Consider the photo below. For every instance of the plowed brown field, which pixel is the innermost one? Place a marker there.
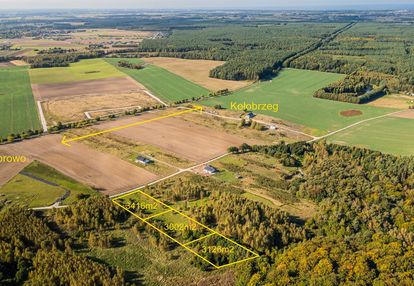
(183, 138)
(104, 172)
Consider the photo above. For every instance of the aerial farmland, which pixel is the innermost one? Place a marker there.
(192, 147)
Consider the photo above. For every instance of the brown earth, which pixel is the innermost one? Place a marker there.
(393, 101)
(405, 114)
(349, 113)
(197, 71)
(191, 141)
(9, 170)
(104, 172)
(108, 85)
(72, 108)
(42, 43)
(19, 63)
(6, 64)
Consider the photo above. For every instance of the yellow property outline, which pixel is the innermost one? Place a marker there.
(66, 141)
(185, 245)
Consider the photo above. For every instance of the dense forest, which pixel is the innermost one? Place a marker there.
(362, 233)
(383, 48)
(251, 52)
(31, 248)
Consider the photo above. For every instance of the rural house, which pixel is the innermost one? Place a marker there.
(249, 115)
(210, 170)
(142, 160)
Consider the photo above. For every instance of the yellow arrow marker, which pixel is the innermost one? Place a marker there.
(66, 141)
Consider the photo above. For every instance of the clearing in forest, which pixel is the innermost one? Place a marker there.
(197, 71)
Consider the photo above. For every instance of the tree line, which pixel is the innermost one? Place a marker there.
(251, 52)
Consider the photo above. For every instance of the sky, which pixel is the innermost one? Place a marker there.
(187, 4)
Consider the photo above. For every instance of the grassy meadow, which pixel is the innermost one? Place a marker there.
(293, 90)
(162, 83)
(18, 111)
(388, 134)
(39, 185)
(83, 70)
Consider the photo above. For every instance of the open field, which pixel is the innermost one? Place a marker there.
(38, 185)
(186, 139)
(405, 114)
(77, 40)
(107, 37)
(8, 171)
(388, 134)
(162, 83)
(103, 172)
(17, 108)
(84, 87)
(27, 192)
(42, 44)
(73, 107)
(84, 70)
(393, 101)
(197, 71)
(229, 122)
(293, 90)
(164, 163)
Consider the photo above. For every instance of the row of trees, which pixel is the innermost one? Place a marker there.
(20, 136)
(129, 65)
(359, 87)
(60, 59)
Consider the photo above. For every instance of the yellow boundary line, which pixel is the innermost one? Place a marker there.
(173, 239)
(66, 141)
(201, 238)
(191, 219)
(155, 215)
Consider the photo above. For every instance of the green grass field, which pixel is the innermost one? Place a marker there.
(18, 111)
(388, 134)
(83, 70)
(28, 189)
(162, 83)
(28, 192)
(293, 90)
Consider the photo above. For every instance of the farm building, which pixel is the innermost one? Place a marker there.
(249, 115)
(144, 161)
(210, 170)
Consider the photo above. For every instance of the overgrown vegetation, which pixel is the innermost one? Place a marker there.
(358, 88)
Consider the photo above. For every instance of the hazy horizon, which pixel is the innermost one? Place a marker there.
(211, 4)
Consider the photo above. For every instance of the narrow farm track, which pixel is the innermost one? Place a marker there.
(354, 124)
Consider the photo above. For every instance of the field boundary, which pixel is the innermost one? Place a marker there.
(353, 125)
(66, 141)
(42, 116)
(185, 245)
